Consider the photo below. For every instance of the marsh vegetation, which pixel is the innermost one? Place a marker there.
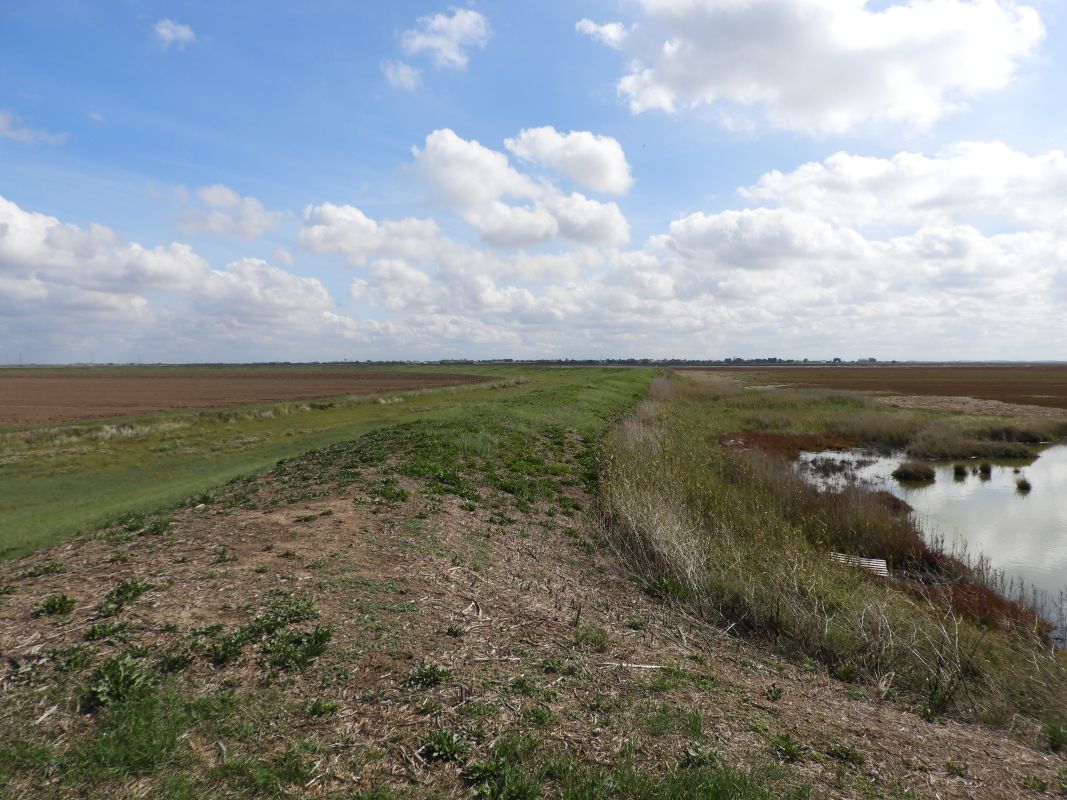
(721, 522)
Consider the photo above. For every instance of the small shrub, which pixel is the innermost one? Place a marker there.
(774, 692)
(43, 568)
(559, 666)
(1035, 784)
(525, 685)
(119, 679)
(107, 630)
(117, 599)
(699, 757)
(427, 675)
(956, 770)
(54, 605)
(175, 659)
(289, 650)
(539, 715)
(914, 471)
(1022, 485)
(444, 745)
(321, 708)
(786, 748)
(223, 556)
(636, 623)
(1056, 733)
(591, 638)
(846, 753)
(226, 650)
(71, 658)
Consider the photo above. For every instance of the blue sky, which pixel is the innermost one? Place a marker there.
(243, 181)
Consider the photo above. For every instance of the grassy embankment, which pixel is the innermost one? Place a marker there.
(136, 700)
(735, 534)
(58, 480)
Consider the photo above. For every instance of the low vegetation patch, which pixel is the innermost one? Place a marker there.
(741, 539)
(915, 472)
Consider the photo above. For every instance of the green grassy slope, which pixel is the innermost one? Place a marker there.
(69, 479)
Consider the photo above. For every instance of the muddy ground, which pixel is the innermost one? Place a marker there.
(1029, 385)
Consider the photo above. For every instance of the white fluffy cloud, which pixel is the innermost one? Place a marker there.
(474, 181)
(613, 34)
(957, 254)
(812, 271)
(447, 37)
(401, 75)
(982, 183)
(65, 289)
(226, 212)
(597, 162)
(347, 231)
(821, 65)
(171, 33)
(12, 128)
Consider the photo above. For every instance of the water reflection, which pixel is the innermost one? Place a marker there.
(1023, 534)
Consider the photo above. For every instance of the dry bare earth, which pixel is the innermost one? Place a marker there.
(494, 600)
(45, 396)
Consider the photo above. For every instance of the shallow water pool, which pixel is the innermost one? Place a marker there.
(1024, 535)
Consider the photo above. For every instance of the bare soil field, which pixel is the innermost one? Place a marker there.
(1041, 385)
(45, 396)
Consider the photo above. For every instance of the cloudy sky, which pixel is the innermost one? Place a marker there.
(203, 181)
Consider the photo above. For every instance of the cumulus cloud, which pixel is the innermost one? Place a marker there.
(597, 162)
(613, 34)
(588, 221)
(401, 75)
(226, 212)
(12, 128)
(170, 33)
(466, 175)
(67, 287)
(347, 231)
(447, 37)
(983, 183)
(821, 65)
(809, 269)
(761, 238)
(475, 181)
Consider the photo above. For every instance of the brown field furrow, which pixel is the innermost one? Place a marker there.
(46, 396)
(1022, 384)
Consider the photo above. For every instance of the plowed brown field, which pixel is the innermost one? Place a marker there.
(1037, 385)
(42, 396)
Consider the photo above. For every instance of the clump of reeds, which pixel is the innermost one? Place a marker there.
(1022, 485)
(959, 471)
(985, 470)
(914, 472)
(875, 427)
